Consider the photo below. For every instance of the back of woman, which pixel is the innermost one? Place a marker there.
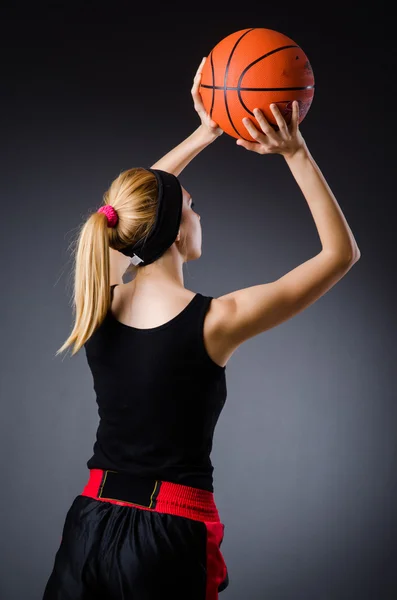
(146, 523)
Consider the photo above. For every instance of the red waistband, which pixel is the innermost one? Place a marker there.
(151, 494)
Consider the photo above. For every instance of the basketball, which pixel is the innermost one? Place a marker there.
(253, 68)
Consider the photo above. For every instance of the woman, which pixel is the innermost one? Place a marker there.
(146, 524)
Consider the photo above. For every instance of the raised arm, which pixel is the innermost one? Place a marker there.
(250, 311)
(179, 157)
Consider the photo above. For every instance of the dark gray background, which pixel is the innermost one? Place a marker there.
(305, 449)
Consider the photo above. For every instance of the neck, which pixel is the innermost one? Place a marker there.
(164, 273)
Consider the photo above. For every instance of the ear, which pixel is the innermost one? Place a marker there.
(178, 237)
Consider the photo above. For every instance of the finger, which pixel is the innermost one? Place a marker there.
(201, 65)
(282, 125)
(265, 125)
(197, 76)
(252, 130)
(295, 117)
(248, 145)
(195, 88)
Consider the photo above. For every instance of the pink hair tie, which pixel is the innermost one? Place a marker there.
(110, 213)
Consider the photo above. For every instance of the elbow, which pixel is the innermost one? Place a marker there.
(347, 260)
(355, 256)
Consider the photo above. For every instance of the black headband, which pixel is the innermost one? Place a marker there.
(166, 226)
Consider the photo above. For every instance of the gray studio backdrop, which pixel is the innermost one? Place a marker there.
(304, 451)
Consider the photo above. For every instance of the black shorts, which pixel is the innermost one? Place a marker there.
(128, 538)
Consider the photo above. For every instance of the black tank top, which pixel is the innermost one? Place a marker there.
(159, 397)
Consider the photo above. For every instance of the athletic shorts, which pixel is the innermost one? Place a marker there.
(129, 538)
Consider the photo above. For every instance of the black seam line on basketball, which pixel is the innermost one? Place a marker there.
(213, 80)
(253, 63)
(262, 57)
(248, 89)
(226, 74)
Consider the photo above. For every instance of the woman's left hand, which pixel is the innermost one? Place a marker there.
(207, 123)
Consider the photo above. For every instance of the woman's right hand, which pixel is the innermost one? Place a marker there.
(286, 141)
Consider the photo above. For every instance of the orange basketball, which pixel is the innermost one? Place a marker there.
(253, 68)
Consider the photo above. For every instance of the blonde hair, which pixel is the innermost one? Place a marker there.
(133, 194)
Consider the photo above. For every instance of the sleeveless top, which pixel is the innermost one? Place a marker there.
(159, 397)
